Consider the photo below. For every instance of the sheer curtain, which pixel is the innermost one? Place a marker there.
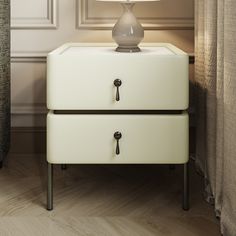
(4, 78)
(215, 75)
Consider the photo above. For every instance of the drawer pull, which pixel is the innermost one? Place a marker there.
(117, 136)
(117, 83)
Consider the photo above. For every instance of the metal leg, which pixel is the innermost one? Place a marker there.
(50, 188)
(186, 188)
(1, 164)
(63, 166)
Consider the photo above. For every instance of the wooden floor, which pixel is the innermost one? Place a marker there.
(100, 200)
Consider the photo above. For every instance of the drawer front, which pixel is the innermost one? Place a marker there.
(148, 83)
(90, 139)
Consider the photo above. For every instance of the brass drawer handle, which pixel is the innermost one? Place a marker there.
(117, 83)
(117, 136)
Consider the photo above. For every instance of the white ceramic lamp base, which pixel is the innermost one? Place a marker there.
(128, 32)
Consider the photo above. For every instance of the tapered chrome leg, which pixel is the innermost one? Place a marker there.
(50, 188)
(186, 188)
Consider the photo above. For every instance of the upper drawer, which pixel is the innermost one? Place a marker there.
(82, 78)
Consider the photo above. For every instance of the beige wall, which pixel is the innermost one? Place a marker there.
(39, 26)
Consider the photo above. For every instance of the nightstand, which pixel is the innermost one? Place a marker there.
(108, 107)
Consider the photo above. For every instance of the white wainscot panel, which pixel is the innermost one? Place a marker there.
(166, 14)
(28, 87)
(33, 14)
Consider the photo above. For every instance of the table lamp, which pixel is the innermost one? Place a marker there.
(127, 32)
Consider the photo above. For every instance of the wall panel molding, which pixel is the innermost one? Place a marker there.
(33, 57)
(85, 20)
(26, 109)
(42, 58)
(50, 20)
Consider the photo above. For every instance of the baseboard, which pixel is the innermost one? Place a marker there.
(28, 140)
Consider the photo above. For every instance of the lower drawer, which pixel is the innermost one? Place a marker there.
(146, 139)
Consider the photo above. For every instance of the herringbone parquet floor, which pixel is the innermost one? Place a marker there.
(100, 200)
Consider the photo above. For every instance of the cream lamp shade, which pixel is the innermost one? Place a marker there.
(128, 32)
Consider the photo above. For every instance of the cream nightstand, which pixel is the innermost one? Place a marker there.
(117, 108)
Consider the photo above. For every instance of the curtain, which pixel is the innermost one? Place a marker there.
(215, 76)
(4, 78)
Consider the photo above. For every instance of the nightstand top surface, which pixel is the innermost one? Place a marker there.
(108, 50)
(156, 49)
